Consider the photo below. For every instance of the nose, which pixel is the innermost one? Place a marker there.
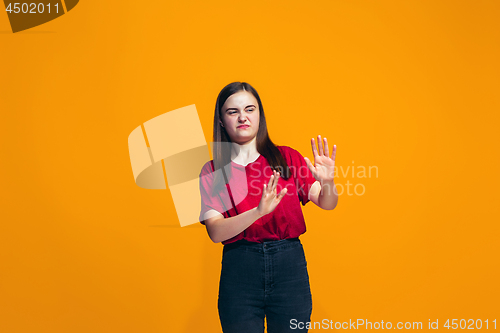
(242, 118)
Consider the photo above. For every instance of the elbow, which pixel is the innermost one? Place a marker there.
(214, 239)
(212, 233)
(330, 206)
(216, 231)
(335, 204)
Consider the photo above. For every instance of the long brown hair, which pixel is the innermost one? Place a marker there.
(265, 147)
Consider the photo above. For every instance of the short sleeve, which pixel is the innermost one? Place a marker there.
(209, 201)
(303, 176)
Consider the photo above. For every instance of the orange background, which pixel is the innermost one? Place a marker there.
(410, 87)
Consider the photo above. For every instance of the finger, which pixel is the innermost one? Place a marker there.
(276, 181)
(309, 164)
(320, 145)
(282, 194)
(313, 144)
(270, 184)
(327, 150)
(334, 152)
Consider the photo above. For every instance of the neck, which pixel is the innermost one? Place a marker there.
(244, 152)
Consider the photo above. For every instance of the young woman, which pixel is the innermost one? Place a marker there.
(251, 194)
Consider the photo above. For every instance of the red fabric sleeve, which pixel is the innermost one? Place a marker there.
(209, 201)
(303, 176)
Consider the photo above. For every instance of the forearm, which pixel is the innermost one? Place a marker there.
(222, 229)
(328, 196)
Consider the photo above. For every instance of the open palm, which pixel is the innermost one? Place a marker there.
(270, 198)
(324, 165)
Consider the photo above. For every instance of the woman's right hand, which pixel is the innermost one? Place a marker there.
(270, 199)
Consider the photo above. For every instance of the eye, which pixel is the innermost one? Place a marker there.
(250, 110)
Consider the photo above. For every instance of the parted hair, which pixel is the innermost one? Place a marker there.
(222, 152)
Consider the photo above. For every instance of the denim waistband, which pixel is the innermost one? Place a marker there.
(267, 246)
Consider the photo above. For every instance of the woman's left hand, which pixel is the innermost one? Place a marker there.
(323, 168)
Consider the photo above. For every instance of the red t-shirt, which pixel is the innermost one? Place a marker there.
(246, 184)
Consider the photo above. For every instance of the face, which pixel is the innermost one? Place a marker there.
(240, 117)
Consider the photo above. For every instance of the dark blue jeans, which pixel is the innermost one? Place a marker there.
(260, 280)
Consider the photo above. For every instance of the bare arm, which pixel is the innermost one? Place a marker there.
(323, 191)
(326, 196)
(220, 229)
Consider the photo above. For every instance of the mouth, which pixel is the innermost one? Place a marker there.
(243, 126)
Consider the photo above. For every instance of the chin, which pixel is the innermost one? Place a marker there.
(243, 139)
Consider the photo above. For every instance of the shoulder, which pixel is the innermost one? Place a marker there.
(285, 149)
(207, 168)
(289, 153)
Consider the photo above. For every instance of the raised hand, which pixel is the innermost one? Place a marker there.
(323, 168)
(270, 199)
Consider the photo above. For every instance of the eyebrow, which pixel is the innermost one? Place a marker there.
(228, 109)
